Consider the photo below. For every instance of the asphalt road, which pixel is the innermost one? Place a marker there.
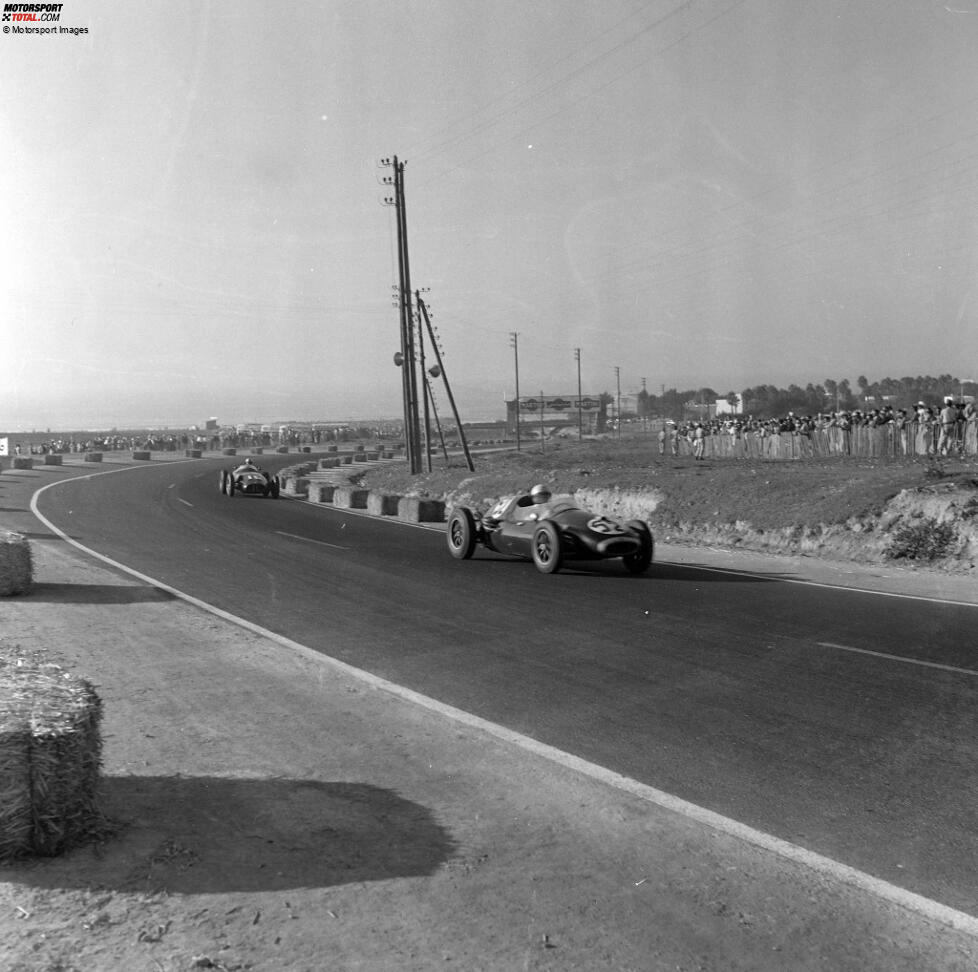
(840, 721)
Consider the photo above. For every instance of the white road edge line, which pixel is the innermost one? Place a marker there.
(738, 572)
(843, 873)
(322, 543)
(780, 579)
(898, 658)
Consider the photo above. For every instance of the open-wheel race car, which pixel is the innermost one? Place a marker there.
(549, 531)
(249, 480)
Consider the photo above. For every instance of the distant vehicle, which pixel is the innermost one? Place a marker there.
(550, 534)
(249, 480)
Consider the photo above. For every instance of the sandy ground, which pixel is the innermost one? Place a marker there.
(275, 812)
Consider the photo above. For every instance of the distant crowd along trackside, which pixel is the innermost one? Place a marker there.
(215, 440)
(950, 429)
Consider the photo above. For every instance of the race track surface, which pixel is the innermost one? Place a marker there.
(840, 721)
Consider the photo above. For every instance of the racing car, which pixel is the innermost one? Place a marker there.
(249, 480)
(550, 532)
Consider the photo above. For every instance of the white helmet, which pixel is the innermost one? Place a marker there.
(540, 493)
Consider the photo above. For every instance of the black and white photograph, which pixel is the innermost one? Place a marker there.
(489, 486)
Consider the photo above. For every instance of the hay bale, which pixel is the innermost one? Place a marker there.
(142, 454)
(23, 462)
(321, 492)
(16, 566)
(93, 457)
(50, 757)
(52, 459)
(382, 504)
(414, 509)
(350, 498)
(193, 453)
(294, 485)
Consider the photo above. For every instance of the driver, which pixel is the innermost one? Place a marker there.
(519, 509)
(248, 466)
(531, 507)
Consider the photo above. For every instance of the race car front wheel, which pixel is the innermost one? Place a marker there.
(638, 562)
(547, 550)
(461, 534)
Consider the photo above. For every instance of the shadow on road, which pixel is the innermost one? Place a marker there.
(210, 835)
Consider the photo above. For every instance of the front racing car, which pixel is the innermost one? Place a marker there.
(249, 482)
(551, 534)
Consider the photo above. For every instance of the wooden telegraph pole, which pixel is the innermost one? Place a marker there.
(406, 357)
(448, 388)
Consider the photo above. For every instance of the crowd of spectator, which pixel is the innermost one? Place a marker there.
(211, 439)
(922, 430)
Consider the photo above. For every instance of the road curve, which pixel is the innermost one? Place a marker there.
(836, 720)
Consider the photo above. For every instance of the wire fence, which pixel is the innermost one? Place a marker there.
(886, 441)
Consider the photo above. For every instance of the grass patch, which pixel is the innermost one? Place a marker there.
(924, 539)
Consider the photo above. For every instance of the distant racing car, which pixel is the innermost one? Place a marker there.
(249, 480)
(549, 533)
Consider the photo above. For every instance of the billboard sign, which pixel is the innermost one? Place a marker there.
(558, 408)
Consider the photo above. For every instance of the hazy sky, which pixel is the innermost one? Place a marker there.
(705, 193)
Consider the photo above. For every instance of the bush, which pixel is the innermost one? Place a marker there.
(924, 539)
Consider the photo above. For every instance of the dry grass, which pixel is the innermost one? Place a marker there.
(767, 494)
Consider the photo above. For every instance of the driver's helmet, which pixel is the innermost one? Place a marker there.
(540, 494)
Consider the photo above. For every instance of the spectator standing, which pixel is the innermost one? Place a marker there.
(903, 433)
(949, 422)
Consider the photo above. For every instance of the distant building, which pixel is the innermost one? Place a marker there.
(554, 411)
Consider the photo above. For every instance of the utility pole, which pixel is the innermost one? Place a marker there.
(580, 407)
(514, 341)
(424, 378)
(405, 358)
(543, 438)
(448, 388)
(618, 380)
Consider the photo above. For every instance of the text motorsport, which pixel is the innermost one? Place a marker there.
(22, 16)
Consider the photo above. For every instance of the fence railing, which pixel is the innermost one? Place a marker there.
(914, 439)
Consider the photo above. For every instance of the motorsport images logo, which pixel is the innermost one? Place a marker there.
(32, 11)
(22, 18)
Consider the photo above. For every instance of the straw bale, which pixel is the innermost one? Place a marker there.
(16, 565)
(382, 504)
(414, 509)
(50, 757)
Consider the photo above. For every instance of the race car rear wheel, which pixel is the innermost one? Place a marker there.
(548, 552)
(275, 488)
(461, 534)
(224, 481)
(638, 562)
(230, 486)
